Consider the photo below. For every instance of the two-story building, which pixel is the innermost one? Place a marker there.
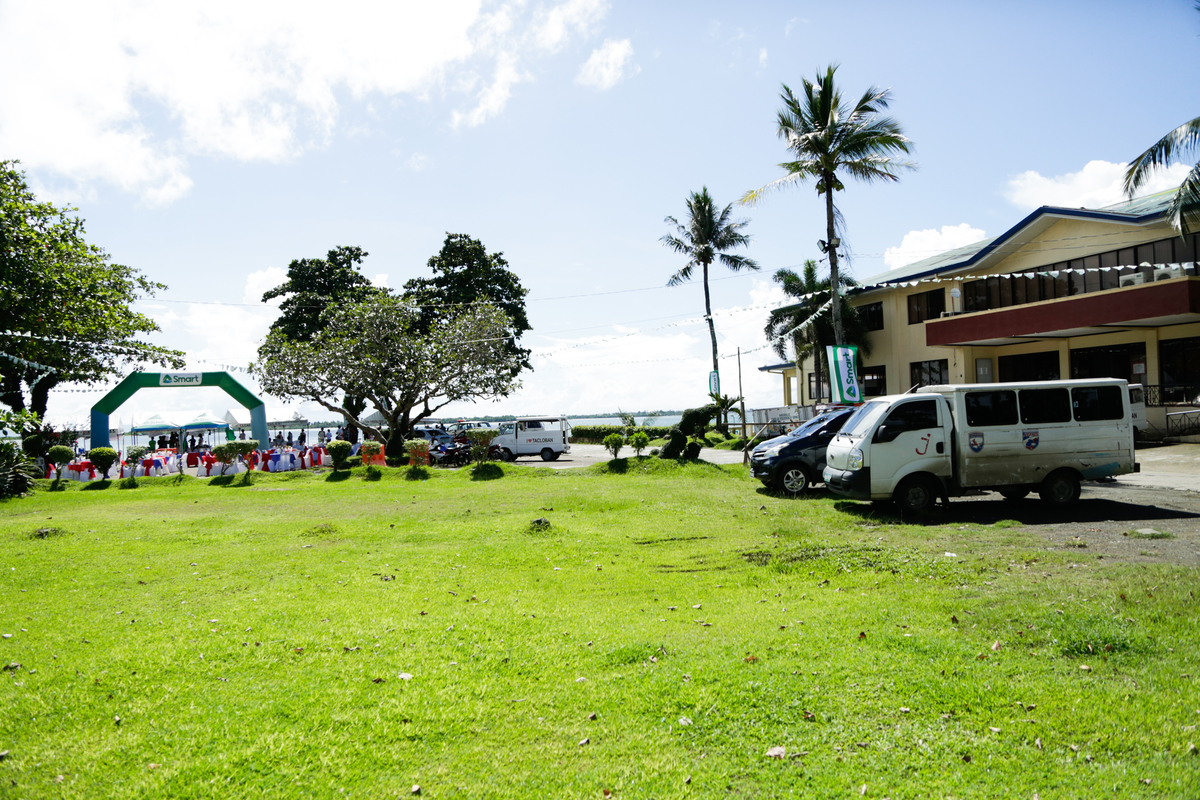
(1064, 293)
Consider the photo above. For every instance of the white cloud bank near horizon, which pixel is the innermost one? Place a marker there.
(1096, 185)
(126, 94)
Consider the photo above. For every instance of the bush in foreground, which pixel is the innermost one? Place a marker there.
(613, 443)
(102, 459)
(339, 451)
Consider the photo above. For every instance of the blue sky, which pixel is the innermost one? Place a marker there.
(210, 146)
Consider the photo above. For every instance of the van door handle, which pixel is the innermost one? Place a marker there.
(940, 448)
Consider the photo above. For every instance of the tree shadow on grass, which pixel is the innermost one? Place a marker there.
(1030, 511)
(417, 473)
(231, 481)
(487, 471)
(97, 486)
(618, 465)
(338, 475)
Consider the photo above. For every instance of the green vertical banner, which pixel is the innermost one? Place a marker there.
(843, 369)
(714, 382)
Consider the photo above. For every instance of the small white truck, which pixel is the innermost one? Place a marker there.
(527, 436)
(1012, 438)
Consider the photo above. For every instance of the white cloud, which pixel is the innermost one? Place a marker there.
(917, 245)
(380, 280)
(126, 93)
(493, 97)
(417, 162)
(608, 64)
(1097, 185)
(762, 57)
(553, 26)
(792, 23)
(257, 283)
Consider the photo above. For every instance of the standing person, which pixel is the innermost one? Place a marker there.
(289, 439)
(303, 438)
(242, 436)
(321, 437)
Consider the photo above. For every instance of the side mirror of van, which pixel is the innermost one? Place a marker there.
(888, 433)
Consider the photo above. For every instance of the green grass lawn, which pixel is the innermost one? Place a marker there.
(310, 637)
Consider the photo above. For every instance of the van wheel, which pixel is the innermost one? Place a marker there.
(547, 454)
(1015, 493)
(506, 454)
(916, 495)
(793, 479)
(1060, 489)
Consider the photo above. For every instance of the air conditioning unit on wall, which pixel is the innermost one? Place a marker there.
(1133, 279)
(1166, 273)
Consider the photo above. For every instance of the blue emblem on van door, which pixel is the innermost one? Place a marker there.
(975, 441)
(1030, 438)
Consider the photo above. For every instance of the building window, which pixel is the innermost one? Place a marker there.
(874, 381)
(1029, 367)
(1043, 406)
(929, 373)
(991, 408)
(989, 293)
(872, 316)
(1127, 361)
(812, 388)
(926, 305)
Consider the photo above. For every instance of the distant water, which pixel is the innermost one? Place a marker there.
(665, 421)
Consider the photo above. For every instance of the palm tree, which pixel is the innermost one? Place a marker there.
(812, 293)
(705, 239)
(724, 404)
(1184, 210)
(829, 139)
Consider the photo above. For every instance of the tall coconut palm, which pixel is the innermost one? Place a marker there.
(829, 139)
(709, 233)
(812, 292)
(1184, 210)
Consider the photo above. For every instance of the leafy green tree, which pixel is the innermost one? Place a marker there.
(53, 284)
(613, 443)
(465, 273)
(639, 441)
(706, 238)
(378, 350)
(724, 404)
(812, 292)
(830, 139)
(312, 285)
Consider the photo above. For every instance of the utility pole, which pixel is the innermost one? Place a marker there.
(742, 398)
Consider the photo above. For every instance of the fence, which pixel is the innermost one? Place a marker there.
(1183, 394)
(1183, 423)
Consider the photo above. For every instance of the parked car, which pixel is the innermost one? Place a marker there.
(435, 435)
(793, 462)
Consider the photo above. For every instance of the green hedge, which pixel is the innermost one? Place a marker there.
(594, 434)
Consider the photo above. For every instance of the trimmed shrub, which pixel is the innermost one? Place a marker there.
(60, 455)
(353, 461)
(339, 451)
(135, 453)
(226, 453)
(613, 443)
(695, 420)
(674, 447)
(594, 434)
(639, 441)
(655, 451)
(244, 447)
(401, 461)
(692, 451)
(417, 450)
(102, 458)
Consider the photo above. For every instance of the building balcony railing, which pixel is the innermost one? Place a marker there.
(1183, 423)
(1182, 394)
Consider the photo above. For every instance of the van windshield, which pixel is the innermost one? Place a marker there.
(863, 420)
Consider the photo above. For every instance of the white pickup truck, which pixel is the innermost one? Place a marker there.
(527, 436)
(1012, 438)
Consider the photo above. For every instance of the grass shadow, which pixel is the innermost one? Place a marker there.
(337, 476)
(234, 481)
(487, 471)
(417, 472)
(620, 466)
(128, 483)
(97, 486)
(372, 473)
(1028, 512)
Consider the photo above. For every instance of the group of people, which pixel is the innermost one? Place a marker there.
(192, 444)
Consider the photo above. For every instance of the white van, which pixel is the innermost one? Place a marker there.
(1012, 438)
(527, 436)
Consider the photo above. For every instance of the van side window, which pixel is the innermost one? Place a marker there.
(1043, 406)
(914, 416)
(1097, 402)
(991, 408)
